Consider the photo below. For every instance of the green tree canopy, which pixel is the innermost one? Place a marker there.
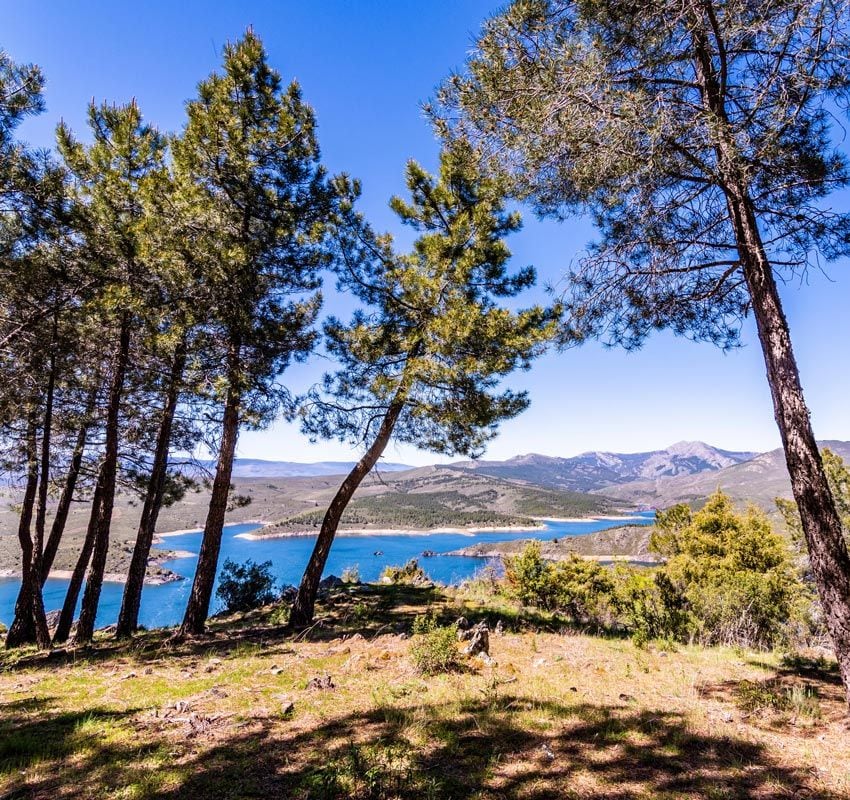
(434, 332)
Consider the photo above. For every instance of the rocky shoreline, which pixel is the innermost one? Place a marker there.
(626, 543)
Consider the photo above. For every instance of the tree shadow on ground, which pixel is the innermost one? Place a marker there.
(32, 733)
(492, 748)
(501, 746)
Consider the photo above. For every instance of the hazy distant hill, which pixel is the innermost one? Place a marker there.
(259, 468)
(760, 480)
(597, 470)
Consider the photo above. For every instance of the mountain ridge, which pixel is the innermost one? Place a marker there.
(595, 470)
(759, 480)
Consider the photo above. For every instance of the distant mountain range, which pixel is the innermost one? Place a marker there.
(759, 480)
(682, 472)
(594, 471)
(258, 468)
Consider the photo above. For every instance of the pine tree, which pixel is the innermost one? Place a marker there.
(697, 136)
(258, 199)
(421, 363)
(34, 292)
(112, 176)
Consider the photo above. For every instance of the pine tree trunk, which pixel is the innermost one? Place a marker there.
(107, 479)
(301, 613)
(830, 561)
(197, 609)
(42, 632)
(69, 607)
(63, 507)
(827, 548)
(23, 629)
(128, 618)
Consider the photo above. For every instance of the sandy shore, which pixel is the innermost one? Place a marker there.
(396, 532)
(596, 518)
(108, 577)
(182, 531)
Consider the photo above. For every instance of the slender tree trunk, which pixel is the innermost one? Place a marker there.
(42, 632)
(128, 618)
(825, 541)
(198, 607)
(107, 477)
(23, 629)
(303, 606)
(69, 607)
(63, 507)
(821, 523)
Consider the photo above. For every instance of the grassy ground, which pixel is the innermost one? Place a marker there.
(558, 714)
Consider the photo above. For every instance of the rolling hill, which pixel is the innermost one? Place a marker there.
(260, 468)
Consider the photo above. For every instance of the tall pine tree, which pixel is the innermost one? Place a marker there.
(422, 361)
(258, 200)
(697, 135)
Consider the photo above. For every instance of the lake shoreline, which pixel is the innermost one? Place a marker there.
(464, 531)
(360, 532)
(108, 577)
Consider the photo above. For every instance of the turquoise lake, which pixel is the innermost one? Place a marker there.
(164, 605)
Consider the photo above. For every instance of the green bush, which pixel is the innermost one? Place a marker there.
(411, 573)
(728, 579)
(737, 576)
(434, 647)
(243, 587)
(530, 578)
(650, 606)
(582, 588)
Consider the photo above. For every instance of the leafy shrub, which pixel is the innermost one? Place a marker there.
(246, 586)
(729, 579)
(434, 647)
(799, 699)
(650, 606)
(753, 696)
(411, 573)
(585, 590)
(736, 575)
(530, 578)
(582, 588)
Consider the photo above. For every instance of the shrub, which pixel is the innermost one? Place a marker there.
(530, 578)
(737, 577)
(434, 647)
(410, 573)
(584, 589)
(650, 606)
(246, 586)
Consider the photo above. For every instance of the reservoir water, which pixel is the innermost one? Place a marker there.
(370, 553)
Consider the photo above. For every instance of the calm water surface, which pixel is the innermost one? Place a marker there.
(164, 605)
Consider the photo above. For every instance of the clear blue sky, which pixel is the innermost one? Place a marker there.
(365, 66)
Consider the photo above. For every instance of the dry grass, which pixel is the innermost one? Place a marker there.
(558, 714)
